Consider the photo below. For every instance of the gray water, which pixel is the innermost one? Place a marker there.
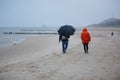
(17, 36)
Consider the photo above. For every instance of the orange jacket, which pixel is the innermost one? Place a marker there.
(85, 36)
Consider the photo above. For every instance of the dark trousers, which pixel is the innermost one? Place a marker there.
(64, 46)
(85, 45)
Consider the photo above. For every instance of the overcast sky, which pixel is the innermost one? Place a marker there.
(35, 13)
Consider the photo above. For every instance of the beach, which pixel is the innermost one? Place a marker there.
(41, 58)
(32, 47)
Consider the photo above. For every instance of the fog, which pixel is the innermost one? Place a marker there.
(54, 13)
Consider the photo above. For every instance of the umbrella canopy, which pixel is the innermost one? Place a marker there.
(66, 30)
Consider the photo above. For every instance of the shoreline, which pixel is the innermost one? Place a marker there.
(33, 47)
(17, 38)
(10, 41)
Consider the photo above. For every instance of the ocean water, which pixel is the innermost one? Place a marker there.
(11, 35)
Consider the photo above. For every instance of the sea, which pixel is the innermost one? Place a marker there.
(15, 35)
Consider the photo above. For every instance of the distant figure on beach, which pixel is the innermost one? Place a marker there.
(64, 40)
(112, 33)
(86, 38)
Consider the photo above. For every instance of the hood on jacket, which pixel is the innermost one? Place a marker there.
(84, 29)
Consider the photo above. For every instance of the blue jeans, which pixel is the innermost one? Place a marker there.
(64, 46)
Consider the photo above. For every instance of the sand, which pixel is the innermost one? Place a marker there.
(41, 58)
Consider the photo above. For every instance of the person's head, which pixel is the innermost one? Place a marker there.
(85, 29)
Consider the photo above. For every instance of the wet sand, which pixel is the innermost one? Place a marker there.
(40, 58)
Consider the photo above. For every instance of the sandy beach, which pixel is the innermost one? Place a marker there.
(41, 58)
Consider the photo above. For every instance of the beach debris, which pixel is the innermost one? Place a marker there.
(14, 42)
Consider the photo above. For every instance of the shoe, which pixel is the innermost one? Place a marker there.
(64, 51)
(87, 52)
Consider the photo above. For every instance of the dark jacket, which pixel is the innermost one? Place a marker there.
(63, 38)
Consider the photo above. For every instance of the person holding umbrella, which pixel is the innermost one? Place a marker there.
(64, 40)
(64, 35)
(86, 38)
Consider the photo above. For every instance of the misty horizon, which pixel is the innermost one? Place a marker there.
(52, 13)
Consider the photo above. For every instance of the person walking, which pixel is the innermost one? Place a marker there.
(65, 32)
(112, 33)
(64, 40)
(86, 38)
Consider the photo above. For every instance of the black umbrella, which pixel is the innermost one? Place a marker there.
(66, 30)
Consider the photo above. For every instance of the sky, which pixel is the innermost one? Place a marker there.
(54, 13)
